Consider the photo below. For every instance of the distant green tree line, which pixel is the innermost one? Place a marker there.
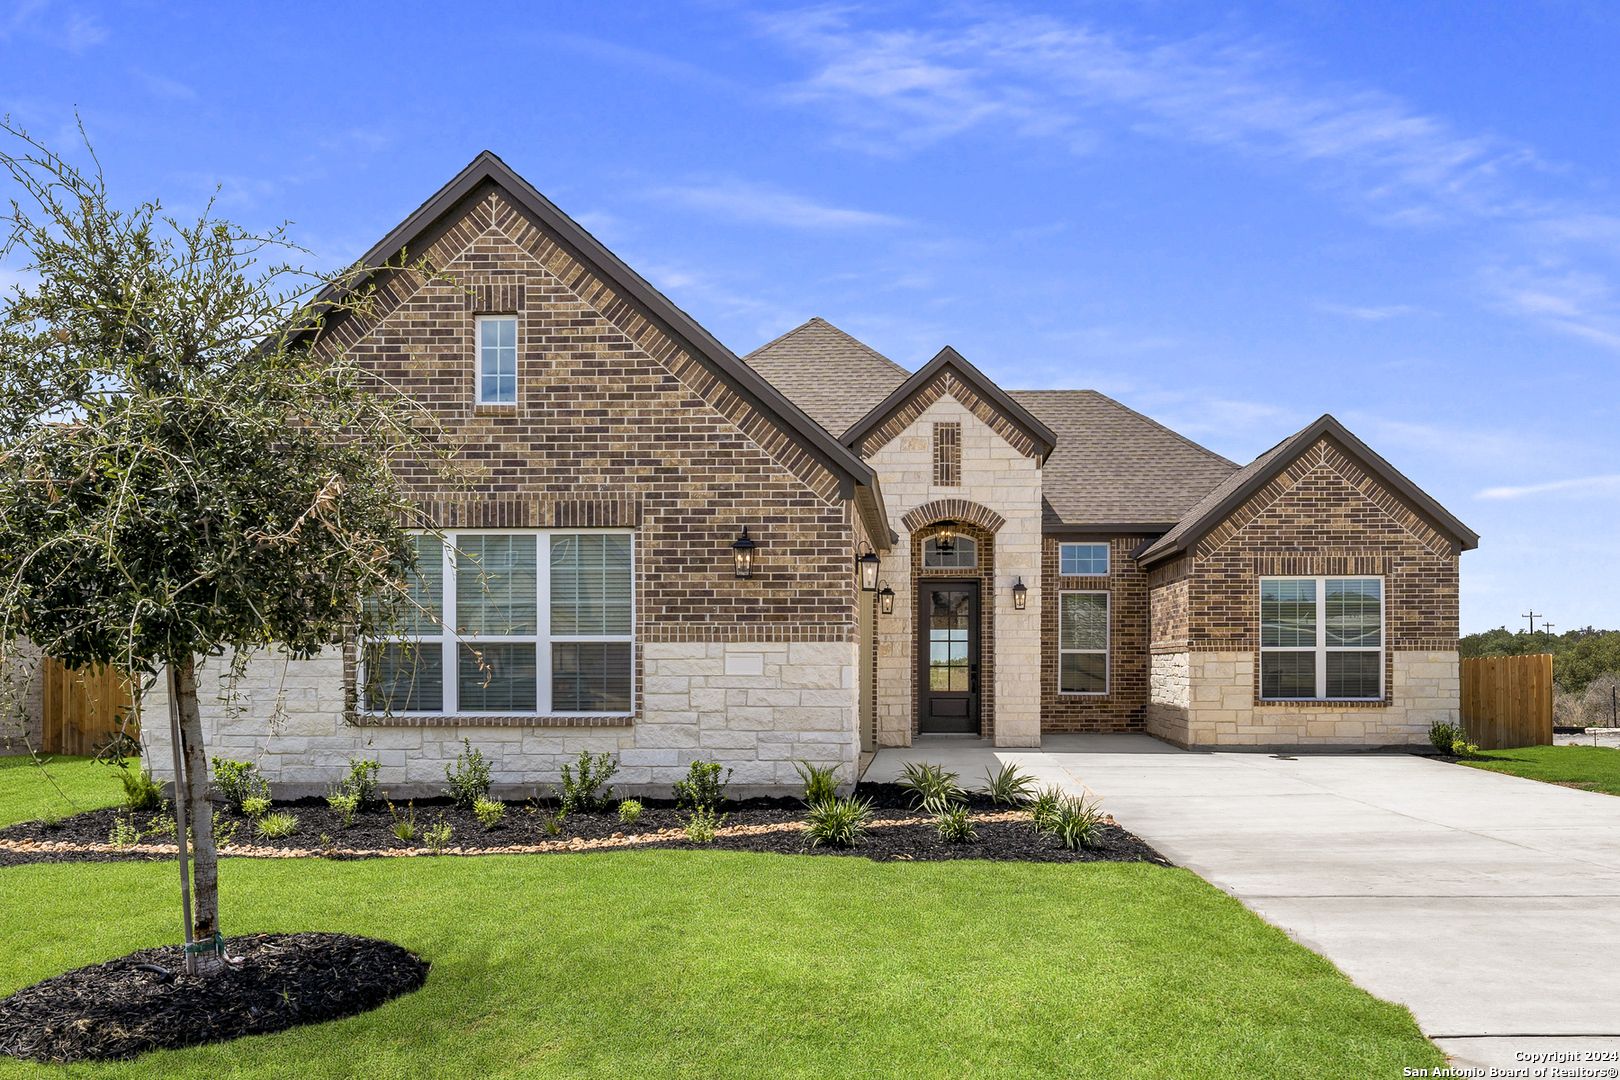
(1579, 656)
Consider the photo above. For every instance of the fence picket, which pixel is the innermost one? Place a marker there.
(1507, 701)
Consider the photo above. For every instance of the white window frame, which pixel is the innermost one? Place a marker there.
(1107, 559)
(451, 642)
(478, 358)
(1322, 648)
(1106, 650)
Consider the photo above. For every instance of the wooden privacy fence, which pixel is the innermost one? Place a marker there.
(1507, 701)
(84, 707)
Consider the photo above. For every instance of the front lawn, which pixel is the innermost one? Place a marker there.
(1593, 768)
(719, 964)
(26, 790)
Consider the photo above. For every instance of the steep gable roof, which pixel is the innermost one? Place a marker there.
(1115, 470)
(1242, 485)
(949, 373)
(487, 173)
(829, 374)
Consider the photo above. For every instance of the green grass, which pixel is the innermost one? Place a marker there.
(723, 964)
(26, 790)
(1595, 768)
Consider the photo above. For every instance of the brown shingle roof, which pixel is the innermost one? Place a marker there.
(828, 374)
(1114, 466)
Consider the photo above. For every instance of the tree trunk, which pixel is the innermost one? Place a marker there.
(200, 811)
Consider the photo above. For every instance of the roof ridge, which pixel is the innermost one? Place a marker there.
(778, 340)
(812, 321)
(1200, 447)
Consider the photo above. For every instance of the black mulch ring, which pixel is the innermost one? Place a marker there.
(526, 824)
(114, 1010)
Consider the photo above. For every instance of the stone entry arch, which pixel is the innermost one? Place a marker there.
(962, 510)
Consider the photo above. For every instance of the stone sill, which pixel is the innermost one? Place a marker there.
(1323, 706)
(470, 720)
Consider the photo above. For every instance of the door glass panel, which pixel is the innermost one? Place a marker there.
(948, 640)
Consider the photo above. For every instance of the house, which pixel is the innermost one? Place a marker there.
(809, 552)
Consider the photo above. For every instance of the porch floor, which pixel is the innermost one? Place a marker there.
(970, 757)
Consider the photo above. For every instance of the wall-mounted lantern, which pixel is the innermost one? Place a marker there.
(1020, 595)
(886, 599)
(945, 535)
(869, 568)
(743, 551)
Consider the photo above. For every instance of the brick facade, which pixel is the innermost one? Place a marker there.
(1124, 706)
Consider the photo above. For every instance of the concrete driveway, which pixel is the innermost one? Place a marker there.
(1487, 904)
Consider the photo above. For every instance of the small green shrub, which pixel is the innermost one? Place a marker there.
(404, 824)
(703, 788)
(224, 831)
(1461, 747)
(701, 826)
(954, 825)
(469, 779)
(346, 804)
(820, 782)
(276, 826)
(124, 833)
(1078, 823)
(553, 823)
(930, 785)
(1443, 735)
(1043, 808)
(437, 836)
(489, 812)
(50, 817)
(362, 782)
(585, 793)
(630, 811)
(236, 782)
(162, 822)
(141, 792)
(255, 806)
(838, 822)
(1009, 786)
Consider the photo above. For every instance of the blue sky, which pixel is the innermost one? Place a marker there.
(1232, 217)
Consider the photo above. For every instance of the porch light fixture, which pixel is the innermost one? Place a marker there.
(945, 538)
(886, 599)
(869, 568)
(1020, 595)
(743, 551)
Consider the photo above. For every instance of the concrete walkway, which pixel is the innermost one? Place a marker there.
(1487, 904)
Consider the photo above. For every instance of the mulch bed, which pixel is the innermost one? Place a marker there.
(759, 825)
(117, 1010)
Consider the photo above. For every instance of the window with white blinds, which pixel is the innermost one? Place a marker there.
(489, 632)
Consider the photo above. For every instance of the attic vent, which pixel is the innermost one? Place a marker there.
(495, 298)
(948, 455)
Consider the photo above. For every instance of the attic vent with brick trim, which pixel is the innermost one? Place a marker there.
(948, 454)
(494, 297)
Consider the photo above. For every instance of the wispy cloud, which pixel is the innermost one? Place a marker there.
(1577, 301)
(1367, 314)
(760, 205)
(1586, 486)
(164, 87)
(66, 26)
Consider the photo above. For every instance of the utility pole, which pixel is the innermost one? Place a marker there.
(1532, 616)
(1546, 627)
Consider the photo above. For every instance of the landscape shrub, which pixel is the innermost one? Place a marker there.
(1078, 823)
(123, 834)
(236, 782)
(585, 793)
(489, 812)
(630, 811)
(50, 817)
(1443, 735)
(1009, 786)
(255, 806)
(954, 825)
(703, 789)
(162, 824)
(276, 826)
(437, 836)
(930, 785)
(701, 826)
(404, 824)
(345, 803)
(469, 778)
(820, 781)
(838, 822)
(141, 792)
(362, 783)
(1042, 809)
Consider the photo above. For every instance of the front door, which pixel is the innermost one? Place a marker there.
(948, 655)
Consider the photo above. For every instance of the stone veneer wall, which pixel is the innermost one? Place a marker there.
(1323, 515)
(617, 424)
(1124, 707)
(1004, 479)
(22, 699)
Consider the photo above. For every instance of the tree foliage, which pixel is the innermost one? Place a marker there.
(1579, 656)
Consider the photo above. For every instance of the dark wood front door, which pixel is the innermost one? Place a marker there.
(948, 655)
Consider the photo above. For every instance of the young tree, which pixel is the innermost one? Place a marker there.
(178, 480)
